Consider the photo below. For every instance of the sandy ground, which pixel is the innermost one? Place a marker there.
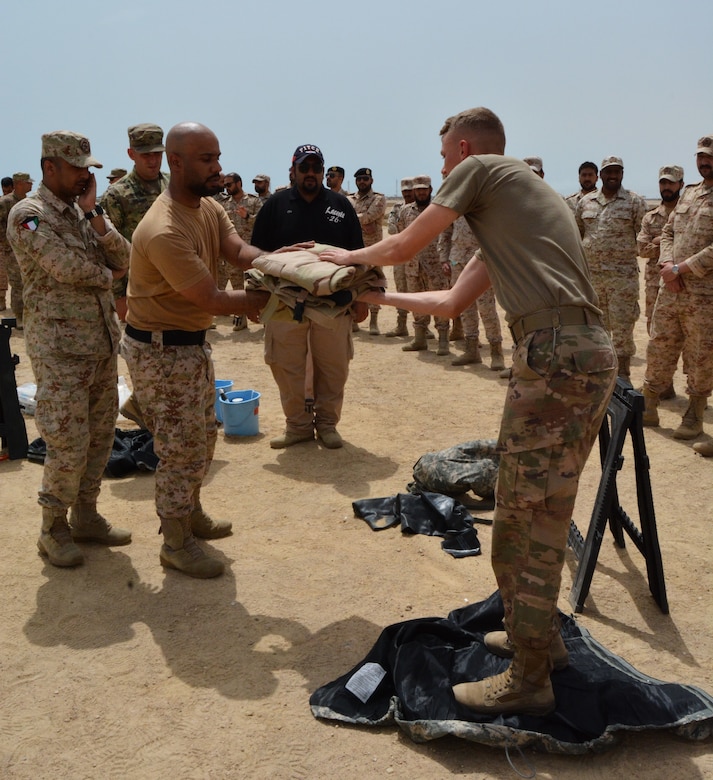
(119, 669)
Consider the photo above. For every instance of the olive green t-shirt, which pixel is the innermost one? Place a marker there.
(530, 242)
(173, 248)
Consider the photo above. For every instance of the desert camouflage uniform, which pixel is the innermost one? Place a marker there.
(682, 321)
(651, 227)
(370, 209)
(399, 270)
(176, 389)
(125, 203)
(8, 262)
(456, 246)
(609, 228)
(573, 199)
(72, 337)
(424, 270)
(244, 228)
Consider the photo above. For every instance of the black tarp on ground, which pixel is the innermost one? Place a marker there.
(410, 670)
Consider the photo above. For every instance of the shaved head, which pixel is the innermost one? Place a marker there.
(193, 154)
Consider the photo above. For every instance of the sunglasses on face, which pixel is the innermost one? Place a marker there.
(331, 175)
(306, 167)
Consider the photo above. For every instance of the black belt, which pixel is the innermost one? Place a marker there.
(554, 319)
(170, 338)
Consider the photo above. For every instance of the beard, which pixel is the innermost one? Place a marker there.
(669, 196)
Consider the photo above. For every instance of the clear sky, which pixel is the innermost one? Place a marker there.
(370, 82)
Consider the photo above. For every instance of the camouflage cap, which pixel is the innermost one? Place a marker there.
(70, 147)
(705, 145)
(609, 161)
(406, 184)
(421, 182)
(146, 138)
(671, 173)
(535, 163)
(262, 177)
(22, 177)
(117, 173)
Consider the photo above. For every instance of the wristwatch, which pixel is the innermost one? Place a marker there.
(675, 270)
(97, 211)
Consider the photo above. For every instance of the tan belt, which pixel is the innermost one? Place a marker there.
(553, 319)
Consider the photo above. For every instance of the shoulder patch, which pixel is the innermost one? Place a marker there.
(31, 223)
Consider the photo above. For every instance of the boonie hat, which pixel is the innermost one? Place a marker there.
(305, 151)
(22, 177)
(705, 145)
(70, 147)
(671, 173)
(146, 138)
(609, 161)
(421, 182)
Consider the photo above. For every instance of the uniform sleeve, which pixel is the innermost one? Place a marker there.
(375, 211)
(391, 222)
(114, 211)
(639, 213)
(445, 242)
(644, 240)
(578, 217)
(353, 238)
(666, 246)
(64, 257)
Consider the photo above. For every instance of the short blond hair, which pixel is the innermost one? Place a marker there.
(477, 121)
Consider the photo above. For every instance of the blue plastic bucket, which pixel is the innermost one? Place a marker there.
(224, 385)
(240, 413)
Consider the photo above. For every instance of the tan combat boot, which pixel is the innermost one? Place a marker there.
(132, 411)
(704, 448)
(650, 417)
(419, 340)
(692, 422)
(55, 539)
(374, 324)
(287, 439)
(89, 526)
(400, 329)
(180, 551)
(203, 525)
(499, 644)
(523, 688)
(443, 345)
(456, 330)
(471, 354)
(240, 322)
(497, 361)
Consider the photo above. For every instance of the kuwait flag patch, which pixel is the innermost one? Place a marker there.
(31, 223)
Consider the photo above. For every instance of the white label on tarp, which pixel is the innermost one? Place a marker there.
(365, 681)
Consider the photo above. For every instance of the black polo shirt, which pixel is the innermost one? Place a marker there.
(287, 218)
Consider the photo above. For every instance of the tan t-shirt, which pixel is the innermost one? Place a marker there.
(173, 248)
(530, 242)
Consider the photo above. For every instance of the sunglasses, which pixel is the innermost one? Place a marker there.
(306, 167)
(331, 175)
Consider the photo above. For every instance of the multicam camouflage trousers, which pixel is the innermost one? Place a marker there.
(422, 275)
(175, 387)
(483, 306)
(618, 294)
(557, 396)
(77, 404)
(681, 324)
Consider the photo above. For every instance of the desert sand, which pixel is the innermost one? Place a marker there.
(119, 669)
